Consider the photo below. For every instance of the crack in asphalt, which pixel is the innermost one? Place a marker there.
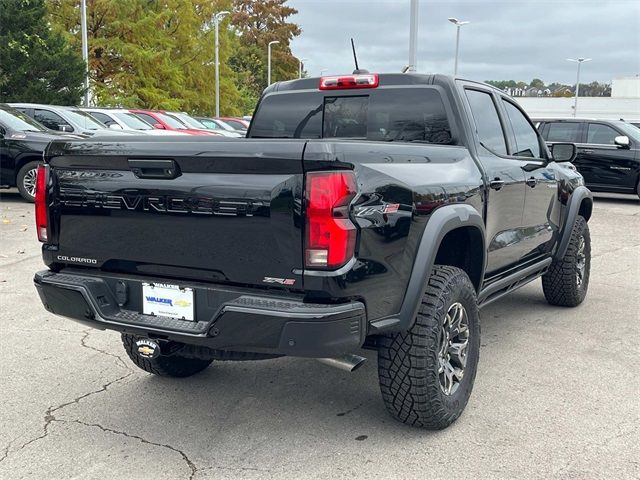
(49, 417)
(119, 360)
(184, 456)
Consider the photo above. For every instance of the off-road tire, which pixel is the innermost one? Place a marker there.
(164, 365)
(560, 284)
(408, 361)
(20, 180)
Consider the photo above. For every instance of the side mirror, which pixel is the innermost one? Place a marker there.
(563, 152)
(158, 126)
(115, 126)
(65, 128)
(622, 141)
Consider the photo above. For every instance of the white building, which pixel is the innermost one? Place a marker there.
(626, 87)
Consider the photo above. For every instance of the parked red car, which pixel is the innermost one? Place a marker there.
(160, 120)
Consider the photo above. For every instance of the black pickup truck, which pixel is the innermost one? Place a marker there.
(376, 211)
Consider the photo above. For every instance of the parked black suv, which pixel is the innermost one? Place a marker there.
(608, 151)
(22, 141)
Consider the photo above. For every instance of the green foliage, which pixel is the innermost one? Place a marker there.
(154, 54)
(258, 23)
(36, 64)
(537, 83)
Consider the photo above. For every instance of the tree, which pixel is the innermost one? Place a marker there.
(537, 83)
(258, 23)
(154, 54)
(36, 64)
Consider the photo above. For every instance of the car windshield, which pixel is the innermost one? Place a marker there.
(132, 121)
(210, 124)
(630, 131)
(171, 121)
(83, 119)
(236, 124)
(18, 121)
(187, 120)
(224, 124)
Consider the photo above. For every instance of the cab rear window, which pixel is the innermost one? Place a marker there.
(392, 114)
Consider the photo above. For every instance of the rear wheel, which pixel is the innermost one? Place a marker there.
(26, 181)
(146, 355)
(567, 280)
(426, 374)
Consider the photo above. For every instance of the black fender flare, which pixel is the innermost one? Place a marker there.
(442, 221)
(572, 211)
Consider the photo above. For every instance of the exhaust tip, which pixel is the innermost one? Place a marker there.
(348, 363)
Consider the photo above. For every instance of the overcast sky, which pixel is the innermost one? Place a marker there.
(516, 40)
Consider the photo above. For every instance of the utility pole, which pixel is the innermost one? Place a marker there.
(216, 20)
(458, 24)
(579, 61)
(269, 61)
(413, 37)
(300, 64)
(85, 50)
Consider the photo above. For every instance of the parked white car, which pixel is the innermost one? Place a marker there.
(121, 119)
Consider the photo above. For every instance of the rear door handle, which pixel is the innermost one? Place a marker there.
(532, 181)
(496, 183)
(149, 168)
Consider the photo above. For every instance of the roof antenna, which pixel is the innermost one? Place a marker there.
(355, 60)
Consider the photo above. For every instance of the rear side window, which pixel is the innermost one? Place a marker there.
(602, 134)
(527, 144)
(487, 121)
(49, 119)
(563, 132)
(404, 115)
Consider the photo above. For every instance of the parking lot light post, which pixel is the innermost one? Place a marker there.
(458, 24)
(300, 63)
(216, 20)
(269, 61)
(579, 61)
(85, 50)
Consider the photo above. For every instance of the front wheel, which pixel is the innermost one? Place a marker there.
(426, 374)
(567, 280)
(26, 181)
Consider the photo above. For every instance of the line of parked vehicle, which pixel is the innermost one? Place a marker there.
(608, 151)
(26, 129)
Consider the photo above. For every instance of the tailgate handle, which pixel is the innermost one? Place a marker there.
(144, 168)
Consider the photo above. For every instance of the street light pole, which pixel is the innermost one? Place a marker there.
(216, 20)
(458, 24)
(579, 61)
(300, 62)
(413, 37)
(85, 50)
(269, 61)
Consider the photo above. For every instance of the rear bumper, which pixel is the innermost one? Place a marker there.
(225, 318)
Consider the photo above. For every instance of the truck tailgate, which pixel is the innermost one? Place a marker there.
(212, 210)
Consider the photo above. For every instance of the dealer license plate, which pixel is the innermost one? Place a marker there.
(167, 300)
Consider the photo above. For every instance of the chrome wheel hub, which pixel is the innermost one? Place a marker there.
(454, 343)
(29, 182)
(581, 262)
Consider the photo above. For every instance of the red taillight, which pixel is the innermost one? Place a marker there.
(42, 213)
(330, 236)
(349, 81)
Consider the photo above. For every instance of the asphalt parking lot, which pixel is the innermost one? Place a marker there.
(557, 393)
